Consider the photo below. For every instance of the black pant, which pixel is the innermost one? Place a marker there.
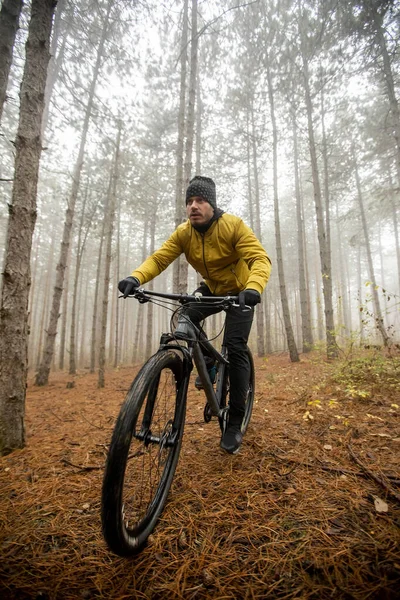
(237, 330)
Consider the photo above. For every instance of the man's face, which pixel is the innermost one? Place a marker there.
(199, 210)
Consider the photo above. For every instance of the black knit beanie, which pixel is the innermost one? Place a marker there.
(204, 187)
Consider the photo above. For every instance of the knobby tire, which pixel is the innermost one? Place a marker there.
(143, 453)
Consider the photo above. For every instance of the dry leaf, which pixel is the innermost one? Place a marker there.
(380, 505)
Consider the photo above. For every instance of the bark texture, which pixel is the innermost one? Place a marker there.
(17, 276)
(179, 184)
(326, 271)
(305, 312)
(109, 220)
(371, 271)
(294, 355)
(42, 376)
(9, 20)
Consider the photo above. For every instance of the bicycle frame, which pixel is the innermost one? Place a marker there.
(186, 331)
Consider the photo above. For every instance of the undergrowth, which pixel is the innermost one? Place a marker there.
(362, 377)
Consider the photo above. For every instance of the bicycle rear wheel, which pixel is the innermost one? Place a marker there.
(143, 453)
(249, 401)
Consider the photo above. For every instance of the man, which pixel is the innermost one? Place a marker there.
(232, 261)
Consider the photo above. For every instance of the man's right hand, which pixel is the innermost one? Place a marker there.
(128, 285)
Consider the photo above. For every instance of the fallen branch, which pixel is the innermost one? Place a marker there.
(373, 476)
(81, 467)
(92, 424)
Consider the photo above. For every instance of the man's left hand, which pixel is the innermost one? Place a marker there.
(249, 298)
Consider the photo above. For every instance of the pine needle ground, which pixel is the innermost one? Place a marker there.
(310, 507)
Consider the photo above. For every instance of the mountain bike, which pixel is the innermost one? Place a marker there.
(147, 436)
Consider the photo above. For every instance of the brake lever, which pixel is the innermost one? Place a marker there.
(246, 308)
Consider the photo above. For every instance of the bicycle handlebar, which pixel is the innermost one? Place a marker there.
(143, 296)
(184, 298)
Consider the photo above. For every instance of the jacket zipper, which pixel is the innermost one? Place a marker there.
(204, 256)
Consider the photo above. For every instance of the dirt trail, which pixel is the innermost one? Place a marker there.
(296, 514)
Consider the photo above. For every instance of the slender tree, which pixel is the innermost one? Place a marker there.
(109, 220)
(22, 217)
(190, 125)
(375, 298)
(9, 20)
(304, 301)
(326, 269)
(79, 253)
(42, 376)
(179, 181)
(293, 352)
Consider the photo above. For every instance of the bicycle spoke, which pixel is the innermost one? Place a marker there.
(150, 454)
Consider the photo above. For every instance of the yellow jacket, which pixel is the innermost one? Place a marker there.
(228, 256)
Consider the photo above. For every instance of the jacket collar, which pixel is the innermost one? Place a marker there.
(218, 212)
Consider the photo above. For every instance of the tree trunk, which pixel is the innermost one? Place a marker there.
(306, 330)
(249, 185)
(390, 84)
(79, 254)
(83, 345)
(45, 301)
(294, 356)
(9, 20)
(360, 298)
(395, 226)
(64, 314)
(55, 62)
(199, 118)
(257, 230)
(326, 272)
(180, 213)
(22, 218)
(117, 272)
(343, 278)
(42, 376)
(183, 267)
(375, 299)
(93, 344)
(150, 306)
(136, 354)
(109, 219)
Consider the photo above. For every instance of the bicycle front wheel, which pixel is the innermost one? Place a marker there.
(143, 453)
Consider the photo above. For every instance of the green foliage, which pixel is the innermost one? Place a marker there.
(361, 377)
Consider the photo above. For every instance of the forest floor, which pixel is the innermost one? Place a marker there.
(309, 508)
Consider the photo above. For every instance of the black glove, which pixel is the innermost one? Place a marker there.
(249, 298)
(202, 290)
(128, 285)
